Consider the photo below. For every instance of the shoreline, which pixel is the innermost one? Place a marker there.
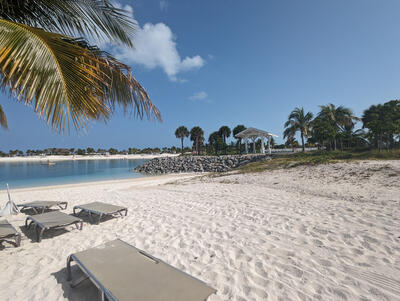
(139, 181)
(85, 157)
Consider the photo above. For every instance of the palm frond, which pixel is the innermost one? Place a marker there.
(64, 78)
(3, 119)
(98, 18)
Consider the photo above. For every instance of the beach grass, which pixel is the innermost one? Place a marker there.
(315, 158)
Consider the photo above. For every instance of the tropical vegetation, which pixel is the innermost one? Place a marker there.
(236, 130)
(197, 136)
(334, 127)
(180, 133)
(216, 141)
(383, 124)
(298, 121)
(64, 79)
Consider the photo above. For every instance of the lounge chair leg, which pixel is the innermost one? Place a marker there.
(28, 226)
(90, 217)
(18, 240)
(39, 233)
(69, 276)
(126, 211)
(79, 225)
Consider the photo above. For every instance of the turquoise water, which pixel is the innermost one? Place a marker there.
(32, 174)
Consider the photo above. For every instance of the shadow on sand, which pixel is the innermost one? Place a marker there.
(85, 291)
(31, 233)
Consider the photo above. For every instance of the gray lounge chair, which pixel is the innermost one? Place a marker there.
(123, 272)
(8, 231)
(51, 220)
(100, 209)
(37, 206)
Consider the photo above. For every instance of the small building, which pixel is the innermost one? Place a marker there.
(253, 134)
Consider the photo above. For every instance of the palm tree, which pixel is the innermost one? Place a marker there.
(225, 132)
(300, 121)
(215, 141)
(180, 133)
(197, 136)
(63, 78)
(339, 117)
(239, 128)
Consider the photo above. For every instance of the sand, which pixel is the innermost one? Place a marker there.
(330, 232)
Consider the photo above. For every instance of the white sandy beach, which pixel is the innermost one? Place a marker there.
(329, 232)
(54, 158)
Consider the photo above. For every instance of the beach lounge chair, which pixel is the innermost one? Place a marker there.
(51, 220)
(8, 231)
(123, 272)
(100, 209)
(41, 206)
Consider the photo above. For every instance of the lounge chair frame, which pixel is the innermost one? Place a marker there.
(87, 275)
(16, 236)
(91, 212)
(40, 228)
(61, 205)
(105, 294)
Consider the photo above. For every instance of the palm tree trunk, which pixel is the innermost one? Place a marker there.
(302, 142)
(182, 144)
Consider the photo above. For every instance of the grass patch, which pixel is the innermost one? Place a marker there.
(315, 158)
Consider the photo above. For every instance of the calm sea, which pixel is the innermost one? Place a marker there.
(31, 174)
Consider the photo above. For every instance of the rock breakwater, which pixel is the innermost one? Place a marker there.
(197, 163)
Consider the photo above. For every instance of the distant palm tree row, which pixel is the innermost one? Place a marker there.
(335, 125)
(217, 140)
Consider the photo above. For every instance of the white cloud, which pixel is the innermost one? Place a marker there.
(155, 46)
(163, 5)
(199, 96)
(126, 7)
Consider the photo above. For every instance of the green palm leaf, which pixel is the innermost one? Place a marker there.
(3, 119)
(65, 79)
(83, 17)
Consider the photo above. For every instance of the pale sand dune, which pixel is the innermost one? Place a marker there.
(299, 234)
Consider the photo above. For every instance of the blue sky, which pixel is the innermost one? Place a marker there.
(213, 62)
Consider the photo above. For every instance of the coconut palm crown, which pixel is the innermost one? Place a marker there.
(197, 136)
(339, 117)
(63, 78)
(225, 132)
(182, 132)
(298, 121)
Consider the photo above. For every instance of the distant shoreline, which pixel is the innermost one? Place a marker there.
(53, 158)
(139, 181)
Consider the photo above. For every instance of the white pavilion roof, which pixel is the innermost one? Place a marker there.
(254, 133)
